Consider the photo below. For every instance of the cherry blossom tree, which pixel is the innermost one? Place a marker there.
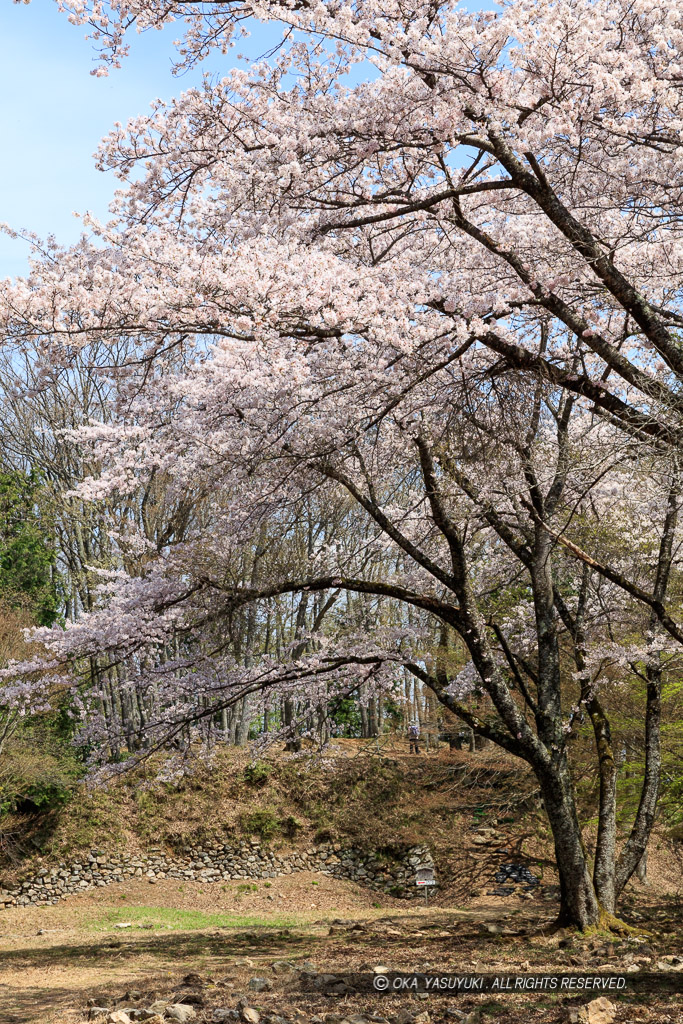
(445, 300)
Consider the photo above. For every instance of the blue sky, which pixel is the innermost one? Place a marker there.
(53, 113)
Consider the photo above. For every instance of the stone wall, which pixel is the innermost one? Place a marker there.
(385, 872)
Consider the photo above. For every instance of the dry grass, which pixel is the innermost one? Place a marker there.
(47, 978)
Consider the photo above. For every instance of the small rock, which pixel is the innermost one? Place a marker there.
(249, 1015)
(598, 1011)
(410, 1017)
(118, 1017)
(260, 985)
(322, 982)
(182, 1012)
(222, 1014)
(380, 970)
(282, 966)
(124, 924)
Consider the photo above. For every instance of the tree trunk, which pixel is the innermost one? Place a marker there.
(293, 742)
(244, 721)
(578, 900)
(604, 870)
(373, 728)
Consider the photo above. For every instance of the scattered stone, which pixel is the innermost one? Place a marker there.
(380, 970)
(260, 985)
(222, 1014)
(598, 1011)
(124, 924)
(118, 1017)
(323, 982)
(158, 1006)
(282, 966)
(412, 1017)
(249, 1015)
(182, 1012)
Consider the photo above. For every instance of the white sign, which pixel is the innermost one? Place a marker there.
(425, 876)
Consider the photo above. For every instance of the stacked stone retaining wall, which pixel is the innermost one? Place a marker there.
(386, 872)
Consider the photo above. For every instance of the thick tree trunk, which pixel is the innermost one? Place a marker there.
(604, 870)
(578, 900)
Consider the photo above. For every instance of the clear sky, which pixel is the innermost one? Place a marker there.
(53, 113)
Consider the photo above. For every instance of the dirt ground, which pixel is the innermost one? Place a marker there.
(53, 960)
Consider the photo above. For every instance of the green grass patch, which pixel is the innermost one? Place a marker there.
(180, 920)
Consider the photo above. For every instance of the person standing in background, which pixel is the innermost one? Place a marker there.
(414, 737)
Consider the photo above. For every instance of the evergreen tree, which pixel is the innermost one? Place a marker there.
(28, 575)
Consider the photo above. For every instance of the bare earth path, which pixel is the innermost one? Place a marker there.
(54, 959)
